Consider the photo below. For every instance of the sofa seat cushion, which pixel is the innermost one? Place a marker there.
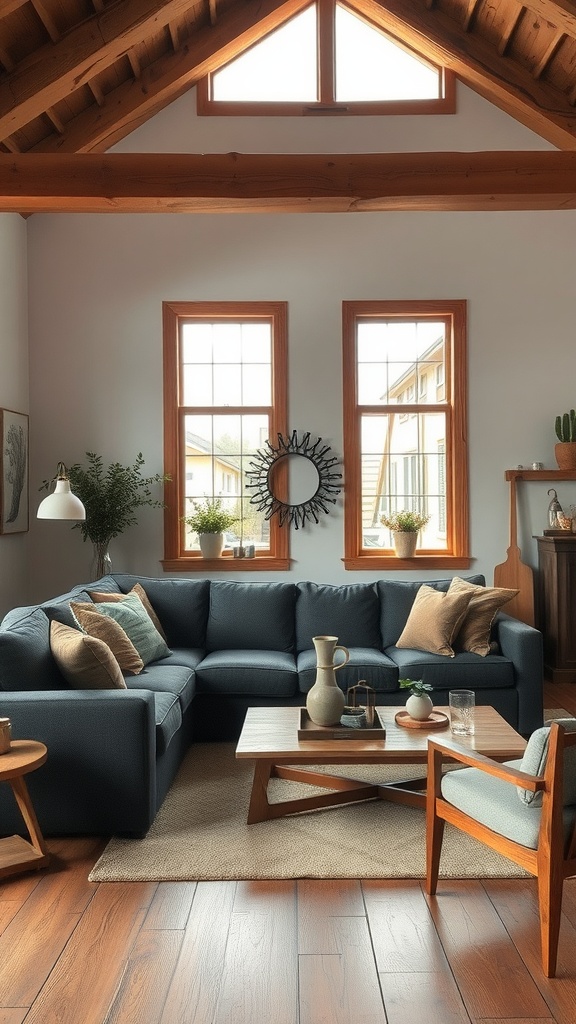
(162, 678)
(396, 600)
(251, 616)
(471, 671)
(349, 612)
(257, 673)
(168, 715)
(372, 667)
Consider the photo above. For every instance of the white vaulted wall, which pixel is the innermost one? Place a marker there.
(97, 283)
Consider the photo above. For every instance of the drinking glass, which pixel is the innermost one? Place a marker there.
(462, 712)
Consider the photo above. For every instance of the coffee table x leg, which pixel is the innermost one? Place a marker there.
(341, 791)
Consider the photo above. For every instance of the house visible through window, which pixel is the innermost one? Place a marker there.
(412, 457)
(329, 58)
(224, 387)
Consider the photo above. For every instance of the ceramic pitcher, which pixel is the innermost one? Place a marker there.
(325, 701)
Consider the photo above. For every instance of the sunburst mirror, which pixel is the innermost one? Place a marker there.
(294, 479)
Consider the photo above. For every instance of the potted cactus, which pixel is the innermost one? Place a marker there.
(565, 449)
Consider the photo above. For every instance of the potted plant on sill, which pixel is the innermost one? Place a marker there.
(209, 520)
(405, 526)
(110, 498)
(419, 705)
(565, 449)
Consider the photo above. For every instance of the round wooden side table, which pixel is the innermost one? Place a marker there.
(16, 854)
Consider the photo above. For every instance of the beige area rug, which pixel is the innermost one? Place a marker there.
(200, 832)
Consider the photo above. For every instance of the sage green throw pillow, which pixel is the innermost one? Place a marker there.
(132, 616)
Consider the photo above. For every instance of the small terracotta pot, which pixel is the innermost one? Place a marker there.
(565, 452)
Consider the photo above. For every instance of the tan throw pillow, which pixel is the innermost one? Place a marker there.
(434, 621)
(474, 633)
(99, 597)
(106, 629)
(85, 662)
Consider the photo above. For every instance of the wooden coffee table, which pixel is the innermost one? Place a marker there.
(270, 738)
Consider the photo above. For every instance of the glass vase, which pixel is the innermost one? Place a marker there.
(101, 561)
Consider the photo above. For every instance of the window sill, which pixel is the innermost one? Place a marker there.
(391, 562)
(261, 563)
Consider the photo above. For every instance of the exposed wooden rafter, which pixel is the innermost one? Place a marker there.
(507, 84)
(232, 182)
(561, 13)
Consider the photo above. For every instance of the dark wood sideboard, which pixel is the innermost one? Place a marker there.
(556, 605)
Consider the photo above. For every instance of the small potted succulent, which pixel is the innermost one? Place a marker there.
(405, 526)
(209, 520)
(565, 450)
(419, 704)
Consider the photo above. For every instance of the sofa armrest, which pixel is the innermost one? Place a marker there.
(100, 774)
(523, 645)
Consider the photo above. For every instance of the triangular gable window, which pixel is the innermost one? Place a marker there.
(327, 59)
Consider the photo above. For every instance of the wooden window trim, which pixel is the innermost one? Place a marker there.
(327, 104)
(457, 556)
(175, 559)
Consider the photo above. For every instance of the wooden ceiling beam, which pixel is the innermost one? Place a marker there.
(561, 13)
(233, 182)
(55, 70)
(132, 103)
(476, 62)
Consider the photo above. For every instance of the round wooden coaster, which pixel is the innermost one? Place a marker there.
(437, 720)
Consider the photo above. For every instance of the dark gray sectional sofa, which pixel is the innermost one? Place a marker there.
(112, 753)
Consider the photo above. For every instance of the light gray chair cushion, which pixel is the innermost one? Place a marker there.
(534, 762)
(495, 804)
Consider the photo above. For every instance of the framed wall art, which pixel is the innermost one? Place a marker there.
(13, 472)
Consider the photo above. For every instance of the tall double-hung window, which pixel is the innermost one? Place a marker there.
(405, 430)
(224, 396)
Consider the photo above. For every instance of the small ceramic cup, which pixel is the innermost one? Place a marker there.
(5, 735)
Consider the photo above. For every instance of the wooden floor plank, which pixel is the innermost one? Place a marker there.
(193, 993)
(489, 972)
(15, 1015)
(403, 933)
(142, 993)
(518, 909)
(342, 987)
(85, 978)
(418, 996)
(260, 979)
(320, 903)
(171, 905)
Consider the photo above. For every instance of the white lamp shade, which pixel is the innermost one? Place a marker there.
(61, 504)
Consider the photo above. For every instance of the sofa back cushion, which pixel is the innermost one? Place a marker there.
(397, 598)
(181, 606)
(251, 616)
(26, 661)
(349, 612)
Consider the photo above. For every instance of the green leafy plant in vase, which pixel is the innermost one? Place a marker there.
(419, 704)
(405, 526)
(209, 520)
(111, 497)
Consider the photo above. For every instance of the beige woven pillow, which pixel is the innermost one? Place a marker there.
(100, 597)
(85, 662)
(434, 621)
(474, 633)
(106, 629)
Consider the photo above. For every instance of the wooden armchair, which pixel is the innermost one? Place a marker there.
(525, 810)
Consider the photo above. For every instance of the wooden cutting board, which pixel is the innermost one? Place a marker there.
(514, 573)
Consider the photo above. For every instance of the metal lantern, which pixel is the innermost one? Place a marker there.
(553, 509)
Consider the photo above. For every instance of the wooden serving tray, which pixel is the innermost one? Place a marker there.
(437, 720)
(310, 731)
